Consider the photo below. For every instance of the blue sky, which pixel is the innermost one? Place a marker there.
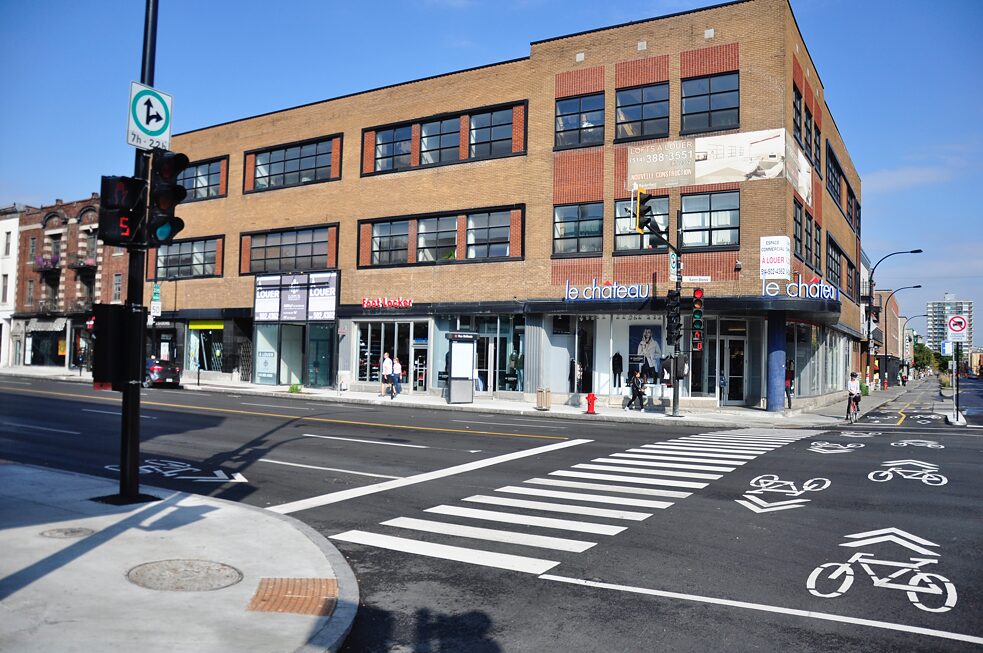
(901, 76)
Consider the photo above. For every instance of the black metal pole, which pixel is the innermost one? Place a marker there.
(959, 351)
(129, 482)
(679, 291)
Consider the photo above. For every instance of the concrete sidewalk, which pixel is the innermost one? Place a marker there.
(186, 573)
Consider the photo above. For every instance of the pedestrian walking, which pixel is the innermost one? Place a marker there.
(397, 377)
(637, 391)
(385, 375)
(789, 383)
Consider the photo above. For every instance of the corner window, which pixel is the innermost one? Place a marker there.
(577, 228)
(390, 241)
(797, 114)
(642, 112)
(711, 219)
(711, 103)
(187, 259)
(491, 134)
(392, 148)
(440, 141)
(625, 236)
(289, 251)
(202, 181)
(292, 166)
(580, 121)
(436, 239)
(797, 227)
(489, 234)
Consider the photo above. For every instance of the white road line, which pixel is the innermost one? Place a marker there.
(518, 419)
(559, 507)
(637, 453)
(344, 495)
(15, 383)
(737, 443)
(748, 438)
(456, 553)
(327, 469)
(709, 448)
(243, 403)
(41, 428)
(649, 463)
(654, 472)
(685, 451)
(490, 534)
(110, 412)
(629, 479)
(810, 614)
(471, 421)
(791, 434)
(624, 489)
(583, 496)
(389, 444)
(727, 443)
(512, 518)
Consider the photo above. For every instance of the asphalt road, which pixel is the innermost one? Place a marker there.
(504, 533)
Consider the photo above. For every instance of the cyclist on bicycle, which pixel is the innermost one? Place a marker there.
(853, 394)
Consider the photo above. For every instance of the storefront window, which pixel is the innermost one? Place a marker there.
(266, 347)
(205, 346)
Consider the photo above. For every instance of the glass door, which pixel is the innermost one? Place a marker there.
(291, 353)
(320, 366)
(734, 361)
(484, 364)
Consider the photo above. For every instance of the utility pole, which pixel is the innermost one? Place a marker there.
(679, 293)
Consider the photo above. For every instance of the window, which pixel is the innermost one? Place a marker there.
(625, 236)
(489, 234)
(390, 242)
(202, 180)
(436, 239)
(833, 263)
(187, 259)
(851, 280)
(577, 228)
(32, 248)
(392, 148)
(643, 112)
(856, 215)
(851, 201)
(118, 287)
(797, 227)
(91, 243)
(293, 166)
(818, 253)
(809, 240)
(580, 121)
(289, 251)
(711, 103)
(807, 133)
(711, 219)
(834, 176)
(491, 134)
(815, 144)
(440, 141)
(3, 291)
(30, 293)
(6, 244)
(797, 114)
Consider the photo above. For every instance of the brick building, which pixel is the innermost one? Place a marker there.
(62, 271)
(496, 200)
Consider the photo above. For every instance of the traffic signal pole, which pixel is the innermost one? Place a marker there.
(679, 291)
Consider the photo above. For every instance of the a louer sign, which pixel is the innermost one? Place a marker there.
(815, 289)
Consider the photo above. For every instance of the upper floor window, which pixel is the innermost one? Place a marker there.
(293, 166)
(187, 259)
(577, 228)
(32, 248)
(6, 243)
(117, 287)
(91, 242)
(851, 201)
(797, 227)
(392, 148)
(390, 242)
(834, 174)
(289, 251)
(711, 219)
(807, 133)
(818, 250)
(809, 240)
(3, 291)
(436, 239)
(204, 180)
(711, 103)
(625, 236)
(643, 112)
(489, 234)
(491, 134)
(440, 141)
(797, 114)
(580, 121)
(818, 137)
(851, 280)
(833, 263)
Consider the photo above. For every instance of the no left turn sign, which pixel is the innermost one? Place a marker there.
(957, 328)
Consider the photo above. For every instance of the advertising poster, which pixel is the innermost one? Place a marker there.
(322, 296)
(267, 299)
(293, 298)
(644, 351)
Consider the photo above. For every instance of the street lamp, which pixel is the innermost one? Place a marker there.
(870, 298)
(904, 330)
(887, 350)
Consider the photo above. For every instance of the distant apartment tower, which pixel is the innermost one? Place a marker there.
(938, 315)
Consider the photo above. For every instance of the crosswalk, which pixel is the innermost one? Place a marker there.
(600, 497)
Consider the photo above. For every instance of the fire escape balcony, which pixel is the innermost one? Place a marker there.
(46, 264)
(47, 307)
(83, 263)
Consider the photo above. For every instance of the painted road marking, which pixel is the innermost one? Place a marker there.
(326, 469)
(633, 460)
(352, 493)
(41, 428)
(528, 520)
(490, 534)
(443, 551)
(559, 507)
(629, 479)
(725, 443)
(653, 472)
(651, 448)
(624, 489)
(15, 383)
(640, 453)
(274, 406)
(471, 421)
(110, 412)
(694, 448)
(389, 444)
(732, 442)
(583, 496)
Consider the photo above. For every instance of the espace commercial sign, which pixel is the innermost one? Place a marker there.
(815, 289)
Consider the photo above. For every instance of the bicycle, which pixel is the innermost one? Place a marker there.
(853, 412)
(771, 483)
(926, 476)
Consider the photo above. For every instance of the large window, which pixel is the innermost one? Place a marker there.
(491, 134)
(711, 103)
(834, 175)
(818, 253)
(187, 259)
(6, 243)
(392, 148)
(809, 240)
(817, 153)
(202, 180)
(797, 227)
(32, 248)
(3, 292)
(643, 112)
(289, 251)
(489, 234)
(711, 219)
(807, 133)
(851, 280)
(440, 141)
(117, 287)
(625, 236)
(833, 270)
(436, 239)
(797, 114)
(390, 242)
(292, 166)
(580, 121)
(577, 228)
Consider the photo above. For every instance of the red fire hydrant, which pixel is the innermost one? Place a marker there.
(591, 398)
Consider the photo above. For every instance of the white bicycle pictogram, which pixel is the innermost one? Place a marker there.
(771, 483)
(834, 579)
(918, 443)
(833, 447)
(926, 476)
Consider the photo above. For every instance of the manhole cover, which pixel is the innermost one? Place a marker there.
(65, 533)
(184, 575)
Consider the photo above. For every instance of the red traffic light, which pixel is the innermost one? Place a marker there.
(697, 293)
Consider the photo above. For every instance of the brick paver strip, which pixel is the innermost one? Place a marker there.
(314, 596)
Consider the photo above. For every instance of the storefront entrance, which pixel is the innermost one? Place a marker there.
(407, 341)
(733, 359)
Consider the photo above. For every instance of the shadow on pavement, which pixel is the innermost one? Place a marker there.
(375, 631)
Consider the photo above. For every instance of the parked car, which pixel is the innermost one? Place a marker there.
(161, 372)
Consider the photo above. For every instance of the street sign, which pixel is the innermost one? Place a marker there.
(155, 307)
(956, 328)
(149, 118)
(946, 348)
(673, 266)
(156, 294)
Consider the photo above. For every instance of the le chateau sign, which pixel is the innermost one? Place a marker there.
(815, 289)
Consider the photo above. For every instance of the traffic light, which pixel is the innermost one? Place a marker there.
(673, 323)
(165, 194)
(122, 205)
(643, 212)
(697, 319)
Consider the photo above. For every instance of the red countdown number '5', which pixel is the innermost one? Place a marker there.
(124, 225)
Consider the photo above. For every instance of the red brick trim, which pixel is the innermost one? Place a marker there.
(415, 145)
(579, 82)
(817, 115)
(245, 254)
(249, 174)
(639, 269)
(152, 263)
(579, 270)
(515, 233)
(462, 238)
(219, 256)
(709, 61)
(817, 199)
(332, 260)
(641, 71)
(518, 128)
(368, 152)
(807, 97)
(797, 76)
(719, 266)
(223, 177)
(411, 230)
(364, 244)
(578, 176)
(336, 157)
(464, 145)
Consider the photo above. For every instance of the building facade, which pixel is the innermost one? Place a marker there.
(9, 227)
(939, 314)
(498, 201)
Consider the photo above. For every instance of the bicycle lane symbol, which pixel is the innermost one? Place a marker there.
(925, 590)
(772, 483)
(918, 470)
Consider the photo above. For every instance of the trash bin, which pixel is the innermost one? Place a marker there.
(544, 398)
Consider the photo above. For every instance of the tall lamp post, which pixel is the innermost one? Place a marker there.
(885, 304)
(870, 300)
(904, 330)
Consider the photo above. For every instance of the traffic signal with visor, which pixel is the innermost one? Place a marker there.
(122, 207)
(165, 194)
(643, 212)
(697, 319)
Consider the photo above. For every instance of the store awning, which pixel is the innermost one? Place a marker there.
(57, 324)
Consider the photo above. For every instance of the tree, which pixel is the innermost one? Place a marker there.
(923, 356)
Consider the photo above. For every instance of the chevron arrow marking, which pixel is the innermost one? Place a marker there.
(765, 506)
(916, 463)
(218, 477)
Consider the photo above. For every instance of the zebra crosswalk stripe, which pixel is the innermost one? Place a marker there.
(490, 534)
(624, 489)
(653, 472)
(584, 496)
(649, 454)
(619, 458)
(528, 520)
(546, 506)
(630, 479)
